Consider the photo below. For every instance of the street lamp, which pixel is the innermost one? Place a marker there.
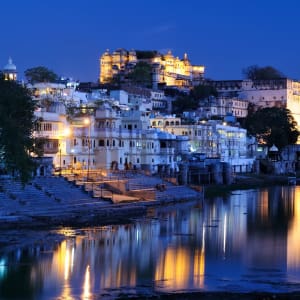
(87, 121)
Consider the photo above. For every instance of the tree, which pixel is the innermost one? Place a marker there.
(144, 54)
(273, 125)
(255, 72)
(191, 101)
(16, 129)
(141, 74)
(184, 103)
(203, 91)
(40, 74)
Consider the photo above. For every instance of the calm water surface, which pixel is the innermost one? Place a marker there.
(249, 241)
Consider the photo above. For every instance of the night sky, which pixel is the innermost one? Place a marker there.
(226, 36)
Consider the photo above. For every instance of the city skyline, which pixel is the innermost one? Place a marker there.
(225, 37)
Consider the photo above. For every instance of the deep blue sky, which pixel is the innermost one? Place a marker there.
(226, 36)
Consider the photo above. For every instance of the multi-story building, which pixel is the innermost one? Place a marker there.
(281, 92)
(223, 106)
(269, 93)
(167, 69)
(105, 136)
(215, 139)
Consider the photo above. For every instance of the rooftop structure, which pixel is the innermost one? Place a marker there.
(10, 70)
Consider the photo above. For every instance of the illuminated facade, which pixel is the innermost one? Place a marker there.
(115, 137)
(223, 106)
(281, 92)
(167, 69)
(212, 138)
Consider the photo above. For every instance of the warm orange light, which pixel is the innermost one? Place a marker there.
(87, 284)
(293, 246)
(67, 131)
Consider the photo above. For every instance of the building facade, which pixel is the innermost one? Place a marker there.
(214, 139)
(281, 92)
(166, 69)
(105, 136)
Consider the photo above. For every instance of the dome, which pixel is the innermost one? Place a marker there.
(10, 66)
(273, 148)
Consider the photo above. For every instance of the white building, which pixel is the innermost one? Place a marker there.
(222, 106)
(281, 92)
(212, 138)
(106, 137)
(278, 92)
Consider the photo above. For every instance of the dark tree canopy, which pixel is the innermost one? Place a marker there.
(201, 92)
(273, 125)
(262, 73)
(141, 74)
(16, 128)
(191, 101)
(143, 54)
(40, 74)
(184, 103)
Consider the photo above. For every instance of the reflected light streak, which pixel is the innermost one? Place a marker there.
(224, 233)
(3, 267)
(264, 205)
(199, 263)
(174, 267)
(293, 244)
(64, 259)
(67, 264)
(87, 285)
(72, 258)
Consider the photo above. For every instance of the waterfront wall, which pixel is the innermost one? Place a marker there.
(200, 173)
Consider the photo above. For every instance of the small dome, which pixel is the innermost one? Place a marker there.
(273, 148)
(10, 66)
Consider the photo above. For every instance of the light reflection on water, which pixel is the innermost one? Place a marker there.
(248, 241)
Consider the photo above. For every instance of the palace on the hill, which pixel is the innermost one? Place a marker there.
(166, 69)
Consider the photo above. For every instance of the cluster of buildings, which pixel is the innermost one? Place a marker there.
(132, 127)
(166, 68)
(122, 130)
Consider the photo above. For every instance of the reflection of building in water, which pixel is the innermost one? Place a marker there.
(199, 263)
(62, 267)
(269, 215)
(87, 284)
(251, 234)
(263, 206)
(293, 245)
(173, 268)
(226, 224)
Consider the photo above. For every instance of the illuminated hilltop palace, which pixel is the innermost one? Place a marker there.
(166, 69)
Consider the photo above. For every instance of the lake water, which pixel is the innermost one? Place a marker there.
(249, 241)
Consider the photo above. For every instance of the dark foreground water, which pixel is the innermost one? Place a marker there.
(249, 241)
